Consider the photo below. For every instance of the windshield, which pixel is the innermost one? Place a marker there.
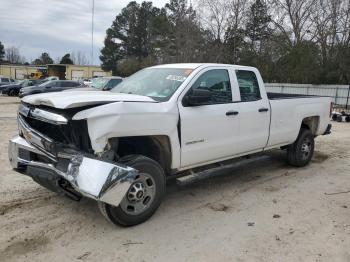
(25, 82)
(112, 83)
(99, 83)
(157, 83)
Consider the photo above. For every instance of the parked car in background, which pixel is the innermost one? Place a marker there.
(87, 81)
(49, 86)
(6, 80)
(106, 83)
(13, 89)
(51, 78)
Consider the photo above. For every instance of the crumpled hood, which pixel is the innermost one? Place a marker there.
(72, 99)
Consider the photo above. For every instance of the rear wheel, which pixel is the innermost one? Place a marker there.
(301, 151)
(144, 195)
(12, 92)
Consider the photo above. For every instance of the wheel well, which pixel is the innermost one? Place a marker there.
(311, 123)
(155, 147)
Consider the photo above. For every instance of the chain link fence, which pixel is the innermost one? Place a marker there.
(338, 93)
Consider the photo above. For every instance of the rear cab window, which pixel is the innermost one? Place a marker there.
(248, 85)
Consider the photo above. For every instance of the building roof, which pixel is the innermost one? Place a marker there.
(74, 65)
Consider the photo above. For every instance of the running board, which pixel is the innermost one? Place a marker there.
(218, 170)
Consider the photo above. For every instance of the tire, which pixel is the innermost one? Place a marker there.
(334, 117)
(151, 181)
(11, 92)
(300, 153)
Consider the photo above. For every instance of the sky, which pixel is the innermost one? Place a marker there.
(57, 26)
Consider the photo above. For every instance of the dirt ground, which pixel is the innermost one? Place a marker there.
(266, 211)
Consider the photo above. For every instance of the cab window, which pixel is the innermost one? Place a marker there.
(248, 85)
(217, 81)
(112, 83)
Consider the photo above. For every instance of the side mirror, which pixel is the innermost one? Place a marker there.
(197, 97)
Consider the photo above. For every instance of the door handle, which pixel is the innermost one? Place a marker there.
(232, 113)
(264, 109)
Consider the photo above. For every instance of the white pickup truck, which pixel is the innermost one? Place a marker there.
(119, 147)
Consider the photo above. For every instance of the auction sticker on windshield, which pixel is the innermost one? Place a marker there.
(176, 78)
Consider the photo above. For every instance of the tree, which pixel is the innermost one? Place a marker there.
(294, 16)
(2, 51)
(300, 64)
(258, 25)
(301, 41)
(13, 56)
(133, 35)
(215, 17)
(66, 59)
(234, 35)
(44, 59)
(185, 37)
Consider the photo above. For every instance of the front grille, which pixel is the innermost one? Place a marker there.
(73, 135)
(51, 130)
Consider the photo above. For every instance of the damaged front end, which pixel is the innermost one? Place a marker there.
(61, 167)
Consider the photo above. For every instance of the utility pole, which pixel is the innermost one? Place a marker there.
(92, 32)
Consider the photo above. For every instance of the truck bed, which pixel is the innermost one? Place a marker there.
(277, 96)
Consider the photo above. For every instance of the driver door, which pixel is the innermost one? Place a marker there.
(209, 132)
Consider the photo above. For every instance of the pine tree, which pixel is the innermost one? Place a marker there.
(44, 59)
(131, 35)
(66, 60)
(258, 25)
(186, 42)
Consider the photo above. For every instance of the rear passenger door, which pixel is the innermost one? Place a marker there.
(254, 112)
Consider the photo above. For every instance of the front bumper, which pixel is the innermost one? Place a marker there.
(93, 178)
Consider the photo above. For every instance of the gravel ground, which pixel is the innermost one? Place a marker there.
(266, 211)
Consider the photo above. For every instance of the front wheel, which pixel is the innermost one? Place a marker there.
(301, 151)
(144, 195)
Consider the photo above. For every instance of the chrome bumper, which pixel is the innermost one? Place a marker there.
(92, 178)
